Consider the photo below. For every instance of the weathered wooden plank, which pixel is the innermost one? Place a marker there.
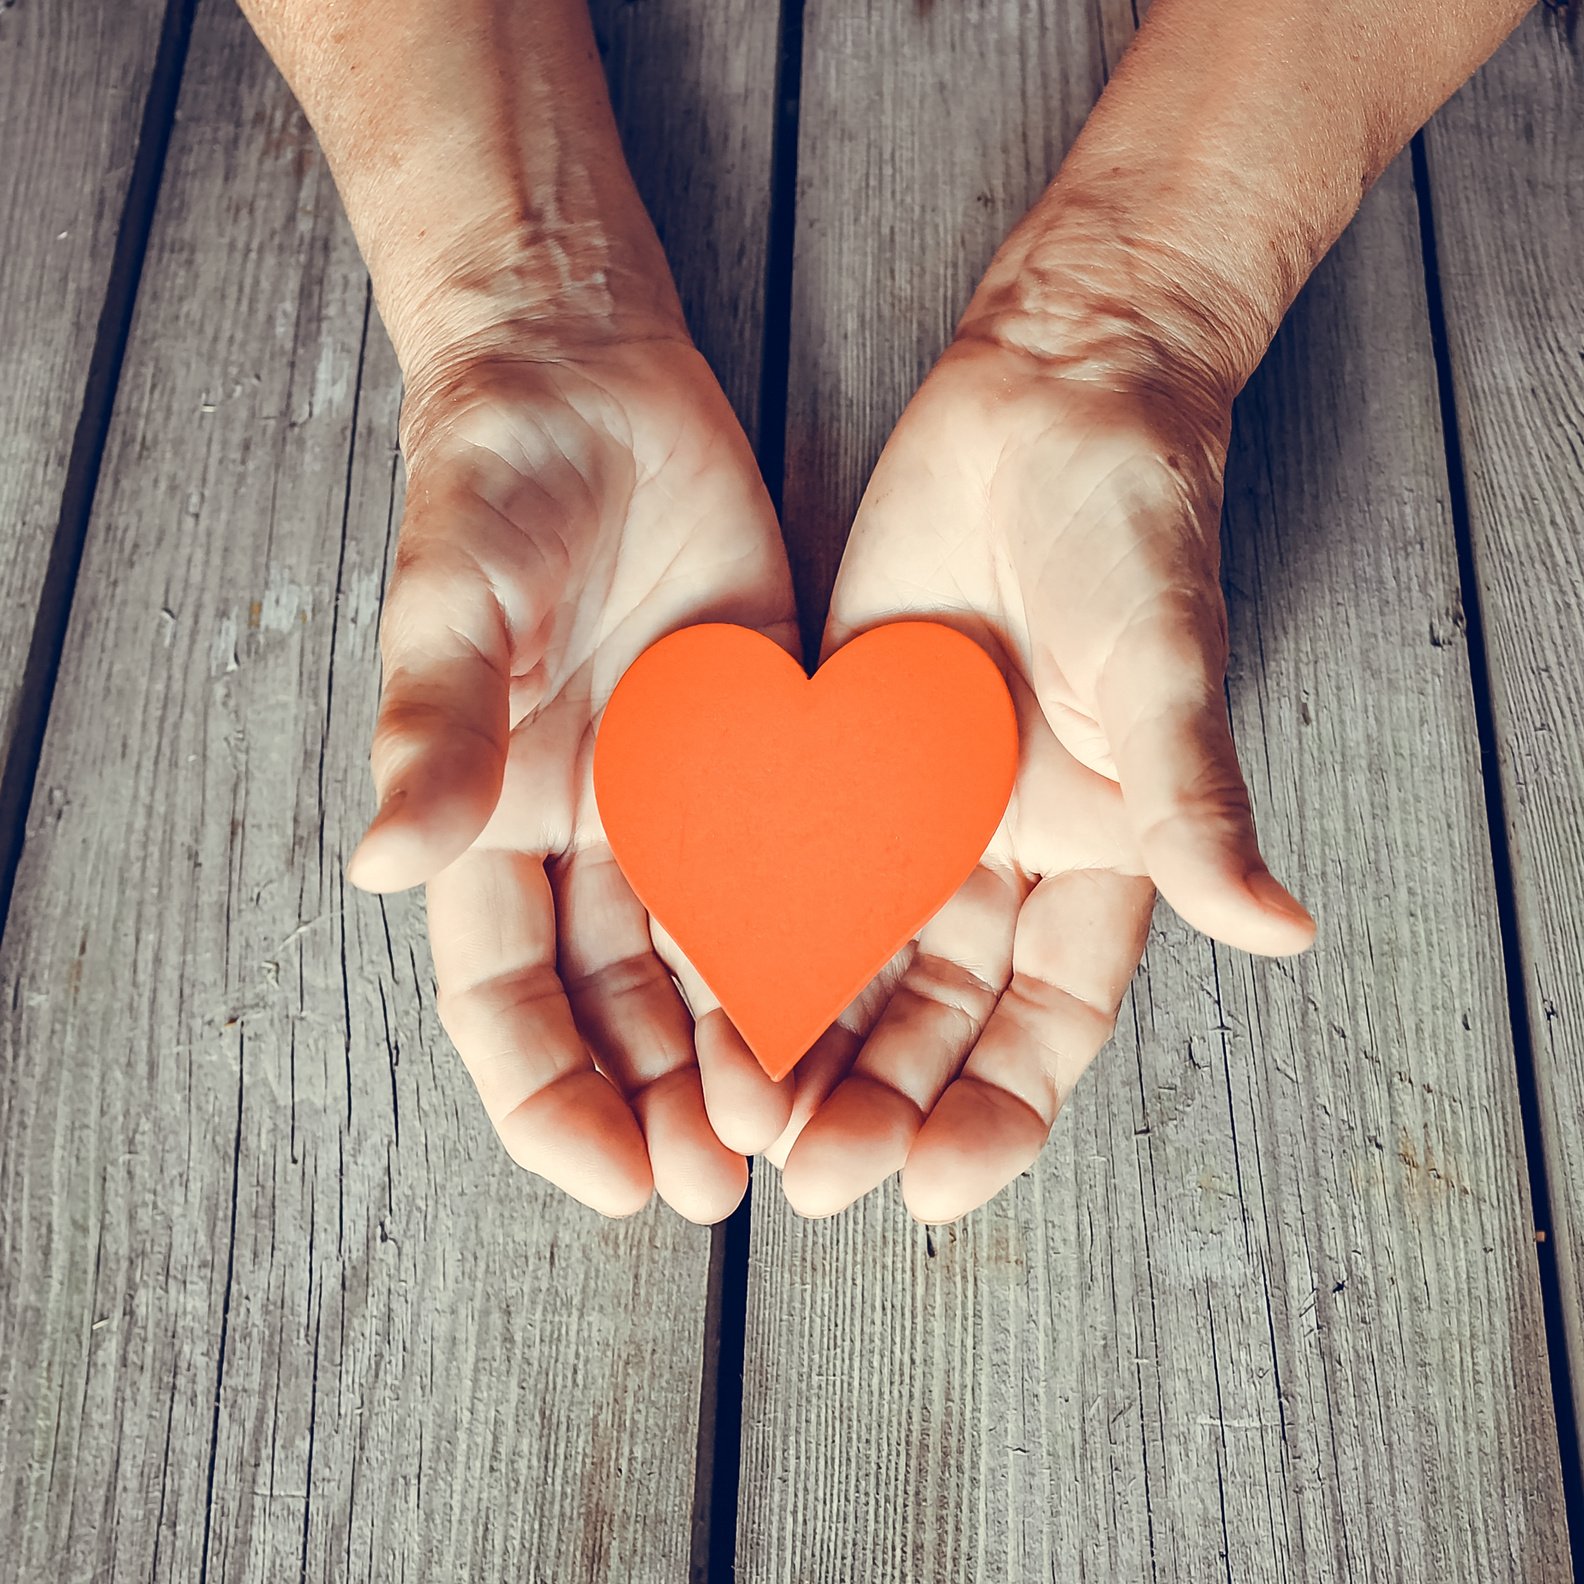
(275, 1303)
(1268, 1306)
(1506, 164)
(74, 79)
(693, 86)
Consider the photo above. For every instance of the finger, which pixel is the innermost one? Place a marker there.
(812, 1081)
(640, 1031)
(1164, 711)
(492, 929)
(833, 1053)
(863, 1132)
(447, 646)
(1079, 938)
(747, 1108)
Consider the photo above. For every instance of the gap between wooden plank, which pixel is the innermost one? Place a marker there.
(717, 1480)
(717, 1474)
(1505, 885)
(88, 441)
(776, 356)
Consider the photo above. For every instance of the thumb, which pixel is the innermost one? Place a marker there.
(1163, 709)
(439, 749)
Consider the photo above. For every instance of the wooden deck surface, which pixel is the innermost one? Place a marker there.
(1297, 1291)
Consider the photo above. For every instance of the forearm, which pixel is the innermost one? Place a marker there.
(1230, 149)
(475, 151)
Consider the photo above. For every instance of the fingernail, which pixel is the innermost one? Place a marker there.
(1269, 890)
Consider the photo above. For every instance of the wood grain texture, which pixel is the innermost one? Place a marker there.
(693, 86)
(1506, 164)
(1268, 1306)
(275, 1303)
(73, 80)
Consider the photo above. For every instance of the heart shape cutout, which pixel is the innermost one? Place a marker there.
(792, 833)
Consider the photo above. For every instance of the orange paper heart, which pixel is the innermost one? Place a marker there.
(791, 833)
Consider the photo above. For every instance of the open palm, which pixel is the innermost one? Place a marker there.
(561, 516)
(1069, 526)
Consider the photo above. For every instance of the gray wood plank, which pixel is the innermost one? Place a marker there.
(276, 1305)
(693, 86)
(74, 77)
(1268, 1306)
(1506, 163)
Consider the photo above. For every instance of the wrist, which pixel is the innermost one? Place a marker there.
(510, 286)
(1204, 187)
(547, 348)
(1110, 323)
(475, 151)
(1088, 283)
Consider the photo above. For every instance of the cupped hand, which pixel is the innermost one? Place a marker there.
(562, 514)
(1067, 520)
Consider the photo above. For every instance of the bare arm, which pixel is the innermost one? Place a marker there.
(1227, 154)
(474, 148)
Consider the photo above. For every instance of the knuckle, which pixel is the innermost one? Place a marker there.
(954, 987)
(1073, 1024)
(1219, 817)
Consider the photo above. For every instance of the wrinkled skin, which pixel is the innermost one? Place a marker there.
(1069, 524)
(563, 514)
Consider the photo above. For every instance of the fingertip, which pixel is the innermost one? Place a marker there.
(393, 858)
(747, 1108)
(976, 1141)
(411, 839)
(814, 1192)
(623, 1202)
(747, 1135)
(858, 1138)
(701, 1178)
(1292, 924)
(376, 868)
(810, 1203)
(934, 1203)
(929, 1210)
(1235, 918)
(367, 868)
(1224, 892)
(1238, 914)
(582, 1136)
(812, 1179)
(709, 1199)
